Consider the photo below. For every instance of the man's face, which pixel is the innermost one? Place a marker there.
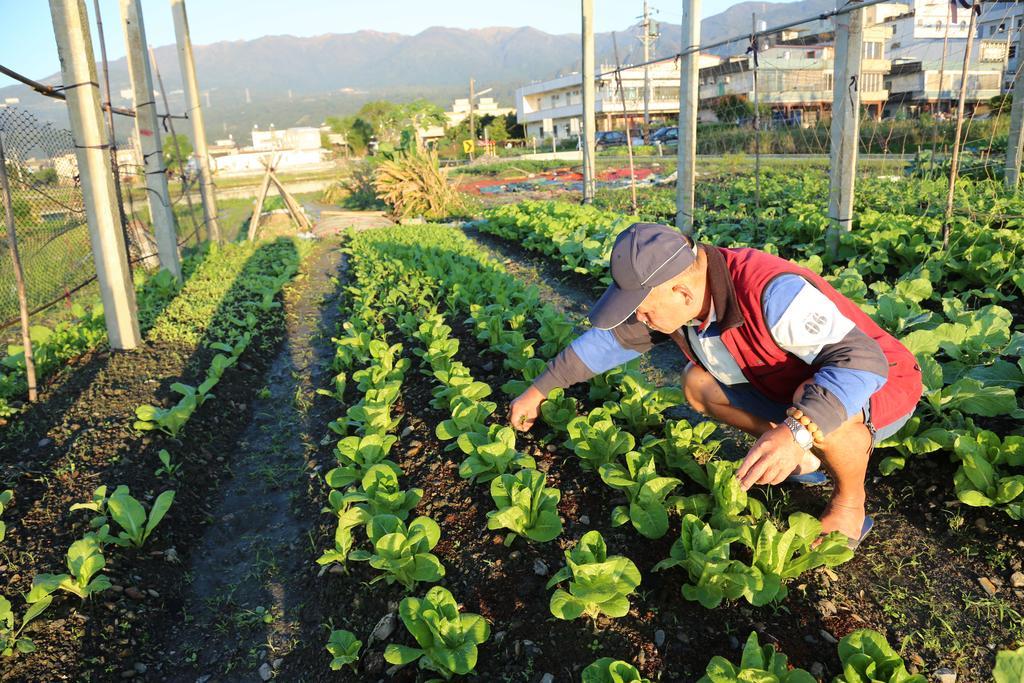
(671, 305)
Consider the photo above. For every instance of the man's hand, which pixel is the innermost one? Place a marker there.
(773, 458)
(523, 411)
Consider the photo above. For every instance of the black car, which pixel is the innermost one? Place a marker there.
(610, 138)
(669, 135)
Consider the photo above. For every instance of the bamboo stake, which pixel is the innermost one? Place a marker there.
(19, 277)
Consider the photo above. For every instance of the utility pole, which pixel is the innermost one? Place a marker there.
(954, 166)
(1015, 143)
(686, 159)
(472, 123)
(647, 39)
(845, 131)
(757, 116)
(195, 112)
(589, 135)
(78, 73)
(148, 131)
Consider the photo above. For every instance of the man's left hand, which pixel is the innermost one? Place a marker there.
(773, 458)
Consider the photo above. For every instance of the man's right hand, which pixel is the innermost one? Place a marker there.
(523, 411)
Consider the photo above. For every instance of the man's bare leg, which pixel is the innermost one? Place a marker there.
(704, 395)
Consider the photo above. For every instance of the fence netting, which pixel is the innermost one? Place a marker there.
(49, 216)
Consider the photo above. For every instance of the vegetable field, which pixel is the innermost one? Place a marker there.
(307, 473)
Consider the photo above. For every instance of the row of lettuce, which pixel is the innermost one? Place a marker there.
(226, 301)
(412, 283)
(945, 305)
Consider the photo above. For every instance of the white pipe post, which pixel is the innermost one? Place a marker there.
(195, 112)
(589, 135)
(845, 131)
(686, 166)
(78, 73)
(1015, 144)
(147, 129)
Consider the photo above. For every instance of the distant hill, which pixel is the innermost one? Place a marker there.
(299, 81)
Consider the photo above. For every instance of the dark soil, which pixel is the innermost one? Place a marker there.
(246, 528)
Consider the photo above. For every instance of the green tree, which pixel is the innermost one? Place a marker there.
(496, 129)
(177, 155)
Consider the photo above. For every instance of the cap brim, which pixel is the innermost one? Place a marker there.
(616, 305)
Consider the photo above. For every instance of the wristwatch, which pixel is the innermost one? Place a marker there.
(800, 433)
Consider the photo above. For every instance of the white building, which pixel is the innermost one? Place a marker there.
(999, 28)
(554, 108)
(287, 138)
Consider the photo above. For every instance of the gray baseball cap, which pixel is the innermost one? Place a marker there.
(645, 255)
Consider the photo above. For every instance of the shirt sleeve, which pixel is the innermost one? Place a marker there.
(850, 365)
(593, 352)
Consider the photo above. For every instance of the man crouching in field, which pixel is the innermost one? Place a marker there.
(773, 350)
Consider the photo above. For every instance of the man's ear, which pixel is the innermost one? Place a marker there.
(684, 290)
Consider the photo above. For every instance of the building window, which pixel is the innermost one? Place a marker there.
(810, 54)
(1012, 53)
(665, 93)
(872, 50)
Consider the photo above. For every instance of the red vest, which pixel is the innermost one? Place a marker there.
(775, 372)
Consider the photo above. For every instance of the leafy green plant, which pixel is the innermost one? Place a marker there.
(379, 494)
(356, 455)
(704, 552)
(11, 640)
(683, 447)
(867, 657)
(781, 556)
(5, 499)
(127, 512)
(597, 440)
(84, 560)
(608, 670)
(1009, 666)
(167, 466)
(530, 370)
(447, 639)
(491, 454)
(598, 584)
(402, 553)
(982, 481)
(525, 506)
(645, 491)
(171, 420)
(642, 403)
(558, 410)
(344, 649)
(468, 415)
(758, 663)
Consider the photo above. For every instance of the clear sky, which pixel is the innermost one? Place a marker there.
(27, 46)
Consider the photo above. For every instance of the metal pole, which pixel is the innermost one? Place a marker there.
(757, 118)
(195, 112)
(625, 115)
(1015, 143)
(78, 73)
(19, 277)
(472, 123)
(845, 130)
(647, 72)
(589, 136)
(148, 131)
(689, 65)
(955, 161)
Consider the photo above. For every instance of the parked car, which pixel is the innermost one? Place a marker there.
(610, 138)
(669, 135)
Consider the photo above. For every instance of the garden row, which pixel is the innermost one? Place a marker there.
(945, 305)
(225, 313)
(423, 286)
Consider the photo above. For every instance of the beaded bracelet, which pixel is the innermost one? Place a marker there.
(799, 416)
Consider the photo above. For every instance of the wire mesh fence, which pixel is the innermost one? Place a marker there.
(49, 216)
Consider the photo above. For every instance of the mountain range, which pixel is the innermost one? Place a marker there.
(288, 80)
